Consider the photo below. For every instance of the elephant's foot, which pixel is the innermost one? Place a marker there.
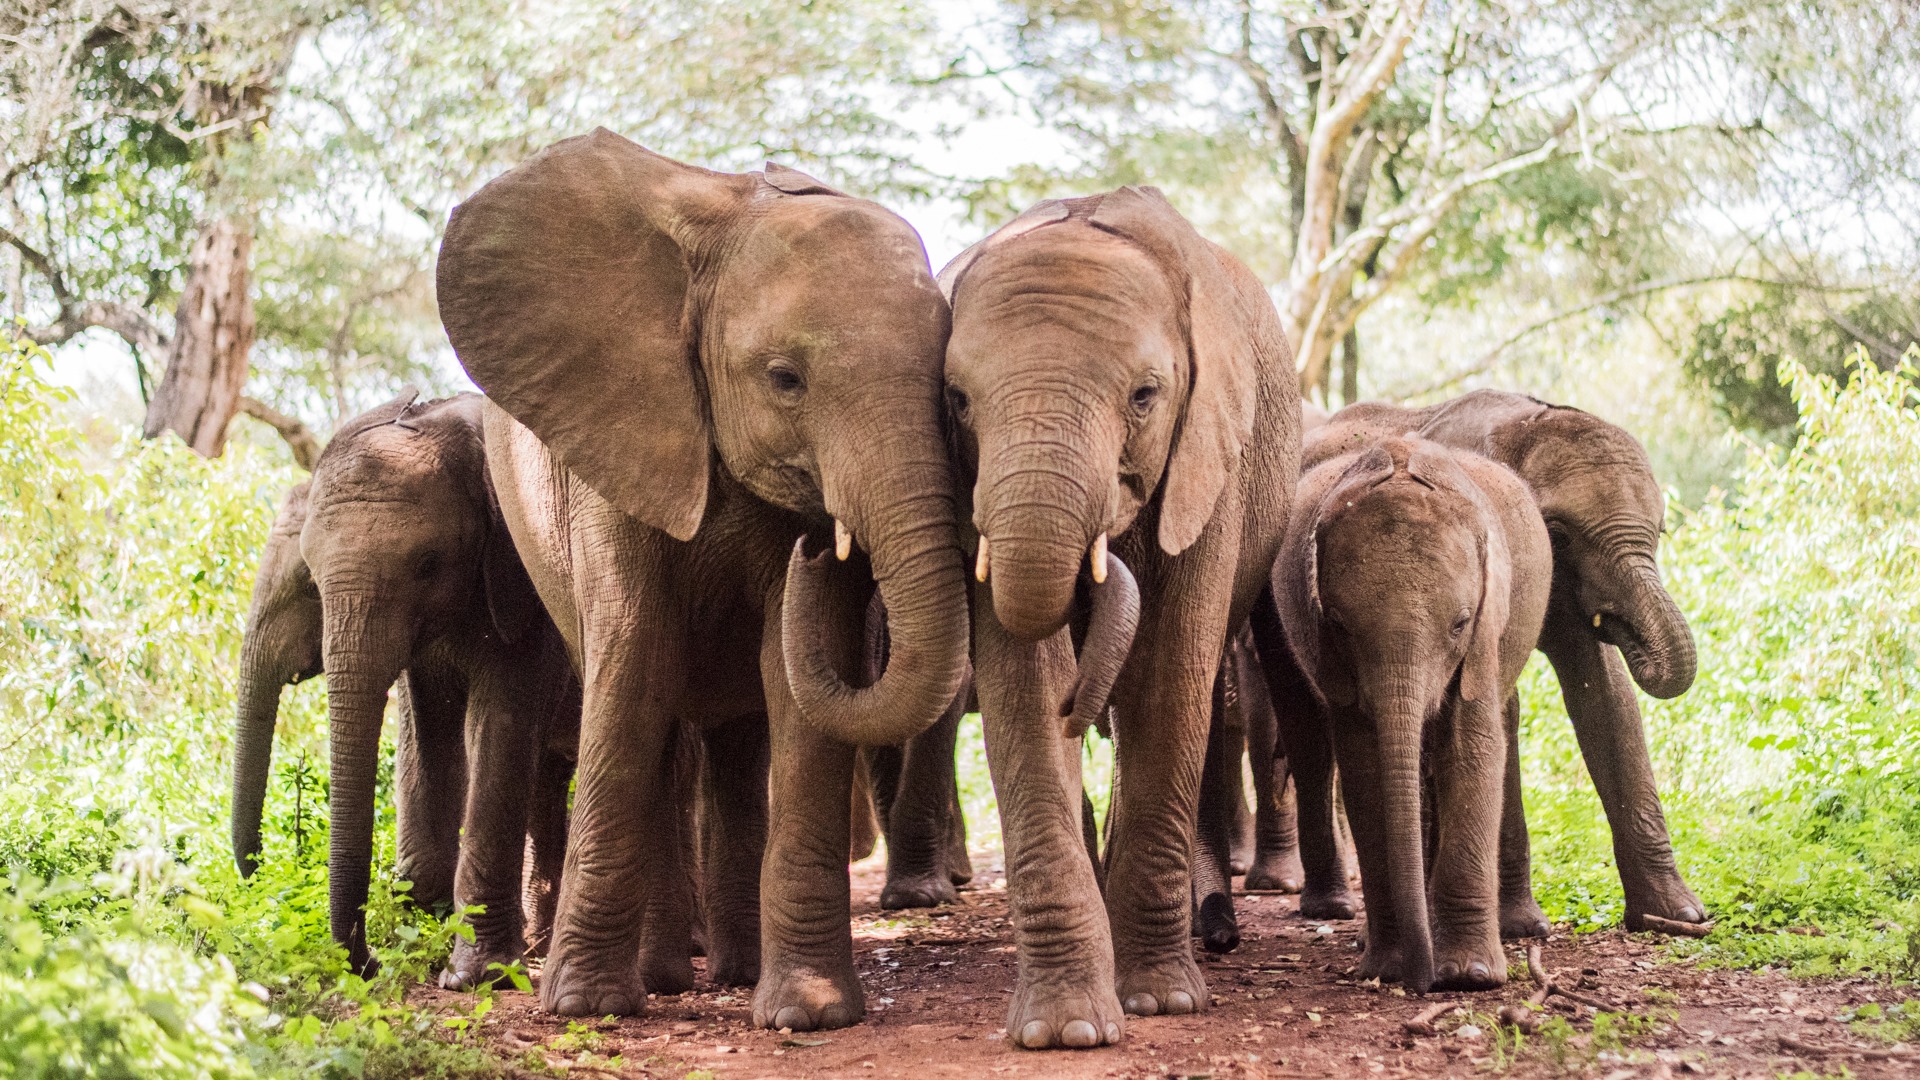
(1328, 904)
(1464, 966)
(1169, 986)
(472, 963)
(1072, 1012)
(1665, 896)
(1521, 917)
(802, 997)
(1383, 961)
(570, 988)
(1219, 930)
(1275, 873)
(667, 971)
(959, 866)
(917, 891)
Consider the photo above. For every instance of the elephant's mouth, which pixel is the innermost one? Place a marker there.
(1616, 631)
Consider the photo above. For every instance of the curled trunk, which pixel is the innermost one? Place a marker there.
(1116, 615)
(1400, 729)
(1658, 645)
(917, 567)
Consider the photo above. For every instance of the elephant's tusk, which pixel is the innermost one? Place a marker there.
(842, 540)
(1097, 561)
(980, 561)
(1596, 620)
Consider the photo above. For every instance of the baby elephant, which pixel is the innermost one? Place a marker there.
(1412, 587)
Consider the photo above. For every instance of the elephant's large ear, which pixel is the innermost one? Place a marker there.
(563, 286)
(1296, 590)
(1232, 331)
(1480, 669)
(512, 602)
(1041, 213)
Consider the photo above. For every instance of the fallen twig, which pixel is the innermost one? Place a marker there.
(1793, 1045)
(1422, 1022)
(1676, 928)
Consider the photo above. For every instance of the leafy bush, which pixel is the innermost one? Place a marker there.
(1788, 769)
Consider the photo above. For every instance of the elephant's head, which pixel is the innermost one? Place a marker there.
(1396, 591)
(1604, 512)
(652, 322)
(281, 647)
(404, 544)
(1102, 368)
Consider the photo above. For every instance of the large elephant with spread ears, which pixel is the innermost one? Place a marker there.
(1126, 408)
(699, 378)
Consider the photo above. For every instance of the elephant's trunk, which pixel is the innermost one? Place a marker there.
(261, 678)
(1116, 614)
(1401, 722)
(922, 581)
(1036, 549)
(364, 656)
(1658, 645)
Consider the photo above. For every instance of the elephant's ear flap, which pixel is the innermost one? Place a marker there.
(563, 286)
(1232, 331)
(1480, 669)
(1297, 592)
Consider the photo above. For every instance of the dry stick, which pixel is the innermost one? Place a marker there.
(1793, 1045)
(1675, 928)
(1522, 1016)
(1422, 1022)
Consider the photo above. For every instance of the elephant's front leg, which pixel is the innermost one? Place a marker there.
(620, 822)
(1162, 713)
(1469, 769)
(1520, 914)
(919, 818)
(1606, 720)
(430, 781)
(1065, 994)
(503, 747)
(733, 842)
(807, 981)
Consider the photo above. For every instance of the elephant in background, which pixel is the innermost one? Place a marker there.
(695, 380)
(1604, 510)
(1412, 589)
(1122, 400)
(392, 565)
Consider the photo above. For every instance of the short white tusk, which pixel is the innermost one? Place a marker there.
(1596, 620)
(980, 560)
(1097, 561)
(842, 540)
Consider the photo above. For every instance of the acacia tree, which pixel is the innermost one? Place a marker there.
(1368, 143)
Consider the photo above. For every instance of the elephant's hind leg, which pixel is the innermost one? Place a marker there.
(733, 840)
(919, 818)
(1520, 914)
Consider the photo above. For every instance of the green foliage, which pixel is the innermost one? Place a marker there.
(133, 947)
(1788, 768)
(1738, 357)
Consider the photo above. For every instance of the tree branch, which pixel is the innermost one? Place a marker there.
(299, 438)
(1492, 356)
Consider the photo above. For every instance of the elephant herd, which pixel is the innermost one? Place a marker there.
(755, 507)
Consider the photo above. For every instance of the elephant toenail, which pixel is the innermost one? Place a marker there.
(793, 1018)
(1691, 915)
(1036, 1035)
(1143, 1005)
(1447, 972)
(1113, 1033)
(1479, 970)
(615, 1005)
(836, 1015)
(1179, 1003)
(1079, 1034)
(571, 1005)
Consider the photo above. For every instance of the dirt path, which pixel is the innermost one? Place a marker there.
(937, 986)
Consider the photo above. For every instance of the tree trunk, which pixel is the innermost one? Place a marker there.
(212, 340)
(1350, 367)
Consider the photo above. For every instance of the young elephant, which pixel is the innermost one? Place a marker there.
(689, 373)
(1594, 486)
(1123, 399)
(392, 564)
(1412, 588)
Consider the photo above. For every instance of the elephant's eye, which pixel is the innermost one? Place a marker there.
(428, 566)
(785, 378)
(1460, 624)
(1144, 397)
(957, 399)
